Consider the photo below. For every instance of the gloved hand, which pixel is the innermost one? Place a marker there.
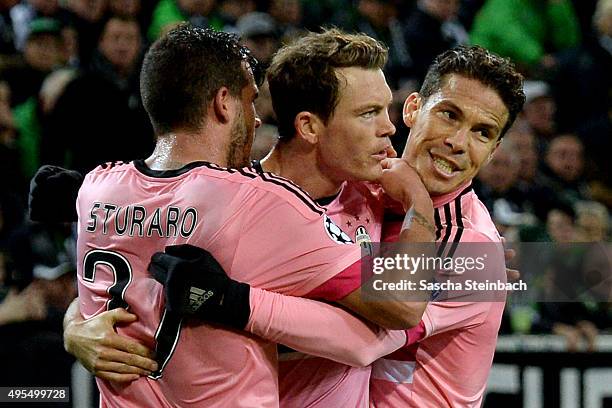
(53, 194)
(196, 285)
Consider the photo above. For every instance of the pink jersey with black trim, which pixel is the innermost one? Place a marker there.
(261, 228)
(450, 357)
(307, 381)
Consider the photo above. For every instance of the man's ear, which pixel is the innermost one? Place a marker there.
(411, 106)
(223, 105)
(492, 153)
(308, 126)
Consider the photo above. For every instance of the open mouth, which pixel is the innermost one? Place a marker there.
(444, 166)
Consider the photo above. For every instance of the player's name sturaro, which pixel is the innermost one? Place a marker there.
(140, 221)
(448, 285)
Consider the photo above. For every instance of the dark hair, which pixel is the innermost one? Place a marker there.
(302, 75)
(182, 72)
(482, 65)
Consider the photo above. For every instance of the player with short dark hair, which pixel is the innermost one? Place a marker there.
(477, 63)
(468, 101)
(190, 85)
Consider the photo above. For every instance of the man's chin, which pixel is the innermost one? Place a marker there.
(370, 176)
(438, 188)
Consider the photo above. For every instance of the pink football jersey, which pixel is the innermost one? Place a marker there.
(307, 381)
(449, 359)
(262, 229)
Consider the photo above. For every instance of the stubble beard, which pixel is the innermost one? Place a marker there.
(236, 154)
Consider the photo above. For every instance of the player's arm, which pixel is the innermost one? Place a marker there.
(319, 329)
(197, 286)
(101, 350)
(401, 183)
(305, 325)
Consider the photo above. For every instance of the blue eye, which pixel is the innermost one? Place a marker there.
(369, 114)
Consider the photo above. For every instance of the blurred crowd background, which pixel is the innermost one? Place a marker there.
(69, 95)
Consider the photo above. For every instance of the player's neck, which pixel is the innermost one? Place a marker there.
(300, 166)
(175, 150)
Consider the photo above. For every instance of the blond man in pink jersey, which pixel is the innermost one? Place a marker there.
(127, 211)
(347, 211)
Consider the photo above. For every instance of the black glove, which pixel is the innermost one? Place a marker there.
(196, 285)
(53, 194)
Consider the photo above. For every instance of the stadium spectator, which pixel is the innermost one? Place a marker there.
(532, 197)
(115, 117)
(40, 285)
(289, 15)
(24, 13)
(431, 29)
(378, 19)
(563, 312)
(592, 222)
(526, 149)
(31, 331)
(43, 51)
(31, 117)
(12, 179)
(584, 73)
(259, 33)
(169, 13)
(563, 166)
(27, 305)
(528, 31)
(124, 8)
(496, 187)
(86, 18)
(539, 113)
(230, 12)
(7, 33)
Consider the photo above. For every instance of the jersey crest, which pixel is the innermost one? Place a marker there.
(362, 238)
(335, 232)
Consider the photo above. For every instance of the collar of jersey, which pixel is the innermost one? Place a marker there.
(439, 201)
(141, 166)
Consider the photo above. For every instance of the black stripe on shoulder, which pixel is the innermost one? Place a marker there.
(449, 226)
(214, 166)
(438, 223)
(111, 164)
(466, 190)
(245, 172)
(459, 218)
(293, 188)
